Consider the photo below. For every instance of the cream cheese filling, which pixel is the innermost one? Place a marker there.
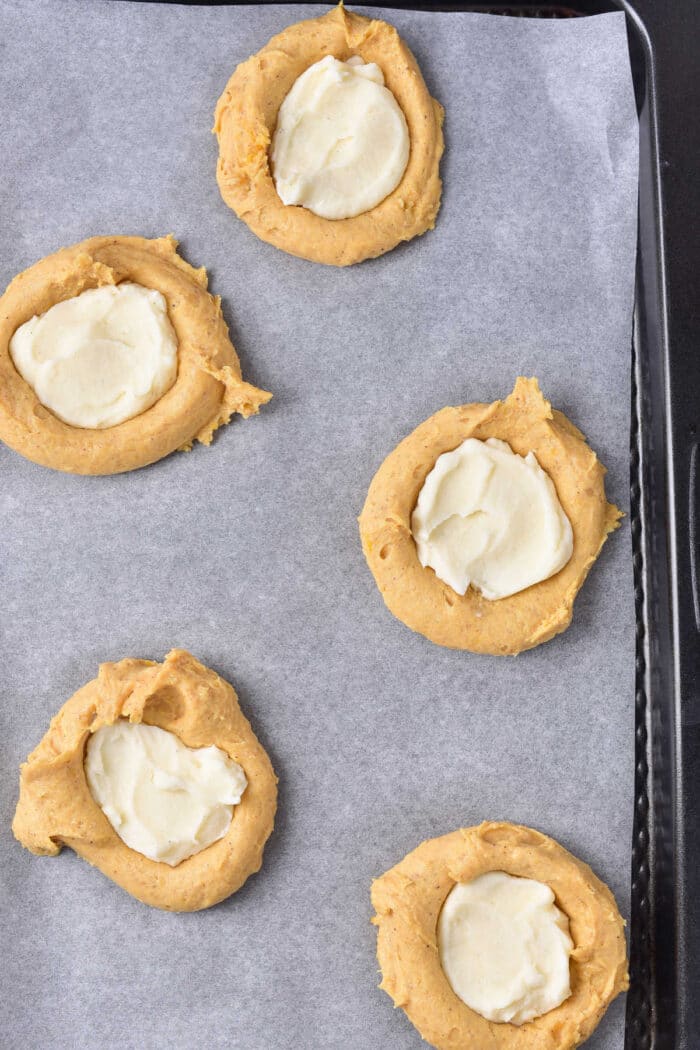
(504, 947)
(489, 518)
(165, 800)
(341, 144)
(100, 358)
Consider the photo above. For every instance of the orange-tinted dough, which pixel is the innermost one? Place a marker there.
(56, 808)
(246, 115)
(408, 898)
(416, 595)
(208, 389)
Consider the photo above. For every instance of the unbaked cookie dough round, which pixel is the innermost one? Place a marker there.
(245, 120)
(414, 594)
(56, 807)
(408, 901)
(208, 387)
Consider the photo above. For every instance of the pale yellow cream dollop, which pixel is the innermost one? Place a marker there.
(505, 947)
(341, 144)
(101, 357)
(490, 518)
(164, 799)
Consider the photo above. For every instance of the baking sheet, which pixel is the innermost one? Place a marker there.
(248, 554)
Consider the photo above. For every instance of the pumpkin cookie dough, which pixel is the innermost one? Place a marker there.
(564, 465)
(257, 133)
(418, 924)
(193, 386)
(152, 773)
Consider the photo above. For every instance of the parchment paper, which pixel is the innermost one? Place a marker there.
(248, 554)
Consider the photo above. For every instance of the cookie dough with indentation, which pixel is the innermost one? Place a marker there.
(57, 807)
(416, 595)
(247, 116)
(408, 901)
(203, 395)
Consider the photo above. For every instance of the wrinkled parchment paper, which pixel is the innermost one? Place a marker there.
(248, 554)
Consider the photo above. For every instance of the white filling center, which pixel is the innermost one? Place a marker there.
(164, 799)
(490, 518)
(505, 946)
(341, 144)
(99, 358)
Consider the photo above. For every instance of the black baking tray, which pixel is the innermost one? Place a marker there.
(663, 1004)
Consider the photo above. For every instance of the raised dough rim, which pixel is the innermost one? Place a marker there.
(243, 168)
(208, 387)
(397, 885)
(415, 595)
